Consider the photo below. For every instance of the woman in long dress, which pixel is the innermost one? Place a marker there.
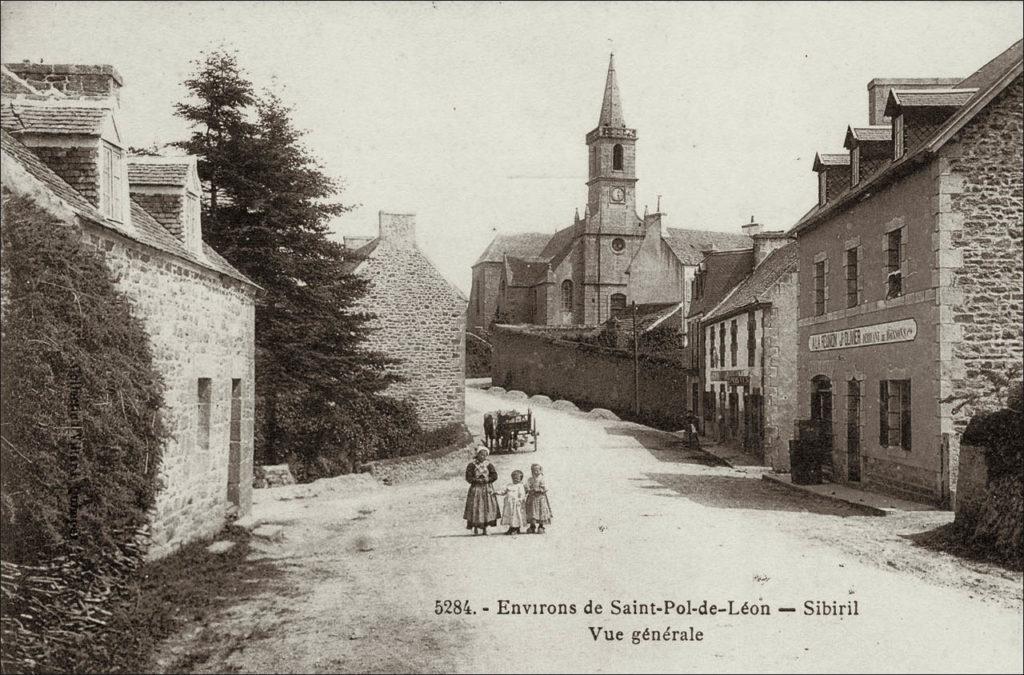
(481, 502)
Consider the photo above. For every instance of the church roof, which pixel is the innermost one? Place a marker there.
(518, 245)
(611, 105)
(526, 272)
(689, 245)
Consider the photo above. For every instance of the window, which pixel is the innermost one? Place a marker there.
(711, 349)
(235, 442)
(618, 244)
(732, 342)
(819, 288)
(821, 398)
(822, 188)
(893, 260)
(191, 233)
(721, 345)
(617, 157)
(112, 182)
(618, 304)
(852, 277)
(855, 166)
(897, 136)
(203, 413)
(567, 295)
(894, 413)
(751, 339)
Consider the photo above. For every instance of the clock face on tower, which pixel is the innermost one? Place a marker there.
(618, 194)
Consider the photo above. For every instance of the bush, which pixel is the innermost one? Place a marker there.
(66, 327)
(81, 438)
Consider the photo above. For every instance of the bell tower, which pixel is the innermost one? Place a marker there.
(611, 148)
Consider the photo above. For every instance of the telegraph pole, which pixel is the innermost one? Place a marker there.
(636, 365)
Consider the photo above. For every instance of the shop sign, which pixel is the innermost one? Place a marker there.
(904, 330)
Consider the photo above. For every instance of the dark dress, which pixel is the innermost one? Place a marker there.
(481, 502)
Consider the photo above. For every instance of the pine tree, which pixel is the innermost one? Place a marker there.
(267, 211)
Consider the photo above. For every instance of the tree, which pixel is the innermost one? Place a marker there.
(267, 210)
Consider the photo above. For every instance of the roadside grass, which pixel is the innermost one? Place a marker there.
(188, 587)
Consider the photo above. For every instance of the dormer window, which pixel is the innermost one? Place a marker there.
(897, 136)
(855, 165)
(112, 182)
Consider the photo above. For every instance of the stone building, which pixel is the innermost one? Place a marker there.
(420, 320)
(910, 276)
(593, 269)
(62, 147)
(750, 356)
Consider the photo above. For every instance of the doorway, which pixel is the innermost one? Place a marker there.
(235, 444)
(821, 417)
(853, 403)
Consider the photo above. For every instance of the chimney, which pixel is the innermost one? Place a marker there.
(75, 81)
(398, 229)
(752, 228)
(652, 224)
(879, 88)
(766, 242)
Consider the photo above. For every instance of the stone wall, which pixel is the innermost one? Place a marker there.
(421, 320)
(779, 345)
(537, 363)
(202, 326)
(979, 206)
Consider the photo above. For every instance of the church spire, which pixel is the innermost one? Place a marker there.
(611, 106)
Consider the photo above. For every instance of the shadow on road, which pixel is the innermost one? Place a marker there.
(666, 447)
(728, 492)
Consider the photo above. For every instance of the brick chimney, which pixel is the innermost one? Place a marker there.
(879, 88)
(75, 81)
(766, 242)
(398, 229)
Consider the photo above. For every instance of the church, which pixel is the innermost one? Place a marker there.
(593, 269)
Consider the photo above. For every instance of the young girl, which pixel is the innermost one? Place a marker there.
(538, 510)
(514, 510)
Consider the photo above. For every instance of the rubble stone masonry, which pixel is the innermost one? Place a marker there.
(420, 320)
(979, 257)
(201, 325)
(779, 340)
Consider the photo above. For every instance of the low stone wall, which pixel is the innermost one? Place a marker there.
(988, 512)
(538, 363)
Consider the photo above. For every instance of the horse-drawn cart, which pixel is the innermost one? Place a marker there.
(509, 430)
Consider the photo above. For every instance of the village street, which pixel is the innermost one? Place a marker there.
(636, 517)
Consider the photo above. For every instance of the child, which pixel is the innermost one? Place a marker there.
(514, 511)
(538, 510)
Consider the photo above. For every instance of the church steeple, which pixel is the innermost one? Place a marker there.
(611, 106)
(612, 164)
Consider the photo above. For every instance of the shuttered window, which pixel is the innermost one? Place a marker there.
(111, 183)
(893, 263)
(733, 346)
(751, 339)
(894, 414)
(852, 277)
(819, 288)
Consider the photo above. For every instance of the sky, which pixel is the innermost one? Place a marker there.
(473, 115)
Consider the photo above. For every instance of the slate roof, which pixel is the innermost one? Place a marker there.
(868, 135)
(990, 80)
(753, 290)
(165, 171)
(519, 245)
(525, 272)
(689, 245)
(144, 229)
(950, 98)
(724, 270)
(831, 159)
(44, 117)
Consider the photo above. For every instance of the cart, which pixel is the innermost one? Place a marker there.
(510, 430)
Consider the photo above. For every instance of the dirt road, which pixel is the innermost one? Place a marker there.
(636, 518)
